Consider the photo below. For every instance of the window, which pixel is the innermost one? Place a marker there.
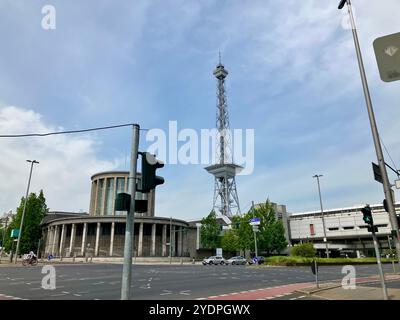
(312, 231)
(348, 228)
(333, 229)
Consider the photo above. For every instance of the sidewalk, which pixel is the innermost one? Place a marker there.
(364, 289)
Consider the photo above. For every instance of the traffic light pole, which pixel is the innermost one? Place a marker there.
(375, 134)
(130, 218)
(378, 260)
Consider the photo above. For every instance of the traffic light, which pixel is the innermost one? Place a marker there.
(367, 212)
(385, 205)
(149, 166)
(341, 4)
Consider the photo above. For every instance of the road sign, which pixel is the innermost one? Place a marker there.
(255, 221)
(397, 184)
(219, 252)
(377, 173)
(387, 52)
(255, 228)
(14, 233)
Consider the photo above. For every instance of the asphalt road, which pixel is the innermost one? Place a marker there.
(161, 282)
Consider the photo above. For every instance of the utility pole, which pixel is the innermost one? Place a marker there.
(170, 240)
(32, 162)
(130, 218)
(254, 231)
(375, 134)
(322, 213)
(378, 260)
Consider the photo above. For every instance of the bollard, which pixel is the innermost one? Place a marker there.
(73, 258)
(86, 259)
(91, 259)
(193, 261)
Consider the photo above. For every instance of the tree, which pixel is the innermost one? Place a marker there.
(244, 232)
(271, 235)
(36, 210)
(230, 241)
(306, 250)
(210, 232)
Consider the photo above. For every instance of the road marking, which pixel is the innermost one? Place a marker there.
(97, 283)
(166, 292)
(185, 292)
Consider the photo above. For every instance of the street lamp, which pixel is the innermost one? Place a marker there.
(378, 148)
(32, 162)
(322, 213)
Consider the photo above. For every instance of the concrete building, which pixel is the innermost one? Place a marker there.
(346, 231)
(102, 231)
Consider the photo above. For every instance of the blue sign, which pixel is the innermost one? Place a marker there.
(255, 221)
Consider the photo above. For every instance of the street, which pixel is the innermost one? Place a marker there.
(167, 282)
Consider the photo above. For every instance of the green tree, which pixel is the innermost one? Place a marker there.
(243, 231)
(230, 241)
(36, 210)
(271, 235)
(306, 250)
(210, 232)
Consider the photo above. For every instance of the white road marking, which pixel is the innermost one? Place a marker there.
(166, 292)
(97, 283)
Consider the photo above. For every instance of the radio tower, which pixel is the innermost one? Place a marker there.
(226, 201)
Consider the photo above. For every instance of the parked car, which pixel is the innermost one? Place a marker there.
(214, 260)
(260, 260)
(238, 260)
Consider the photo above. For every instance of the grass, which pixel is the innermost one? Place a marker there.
(301, 261)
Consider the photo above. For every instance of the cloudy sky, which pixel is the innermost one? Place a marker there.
(293, 78)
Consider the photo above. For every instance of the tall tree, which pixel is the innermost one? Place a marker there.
(36, 210)
(271, 237)
(210, 232)
(230, 241)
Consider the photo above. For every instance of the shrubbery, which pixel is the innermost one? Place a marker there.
(306, 250)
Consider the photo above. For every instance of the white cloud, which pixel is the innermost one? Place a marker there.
(66, 162)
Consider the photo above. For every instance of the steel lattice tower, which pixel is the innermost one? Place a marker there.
(226, 200)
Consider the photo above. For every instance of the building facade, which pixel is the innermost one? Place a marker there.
(102, 231)
(346, 232)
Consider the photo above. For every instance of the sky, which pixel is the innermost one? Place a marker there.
(293, 78)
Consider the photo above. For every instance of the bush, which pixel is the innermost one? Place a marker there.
(306, 250)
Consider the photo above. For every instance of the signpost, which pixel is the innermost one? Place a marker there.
(255, 221)
(14, 233)
(387, 52)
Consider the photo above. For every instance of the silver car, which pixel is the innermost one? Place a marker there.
(214, 260)
(238, 260)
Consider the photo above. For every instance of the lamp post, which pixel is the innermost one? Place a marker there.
(32, 162)
(322, 213)
(378, 148)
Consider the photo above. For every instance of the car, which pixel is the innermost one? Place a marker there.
(214, 260)
(238, 260)
(260, 260)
